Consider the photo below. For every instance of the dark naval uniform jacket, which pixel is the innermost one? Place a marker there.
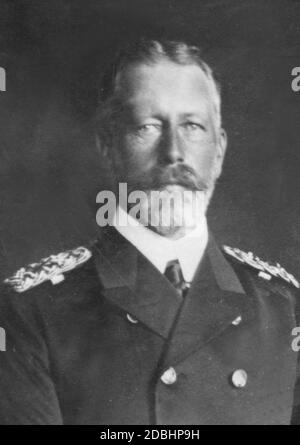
(110, 341)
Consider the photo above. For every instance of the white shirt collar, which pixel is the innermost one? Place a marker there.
(159, 250)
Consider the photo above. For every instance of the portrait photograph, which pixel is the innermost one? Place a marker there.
(149, 215)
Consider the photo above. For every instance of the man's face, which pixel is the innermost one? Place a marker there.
(167, 135)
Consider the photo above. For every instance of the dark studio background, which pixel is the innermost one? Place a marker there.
(54, 53)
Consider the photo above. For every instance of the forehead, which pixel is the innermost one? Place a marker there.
(166, 86)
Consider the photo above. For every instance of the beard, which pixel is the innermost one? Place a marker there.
(173, 211)
(177, 199)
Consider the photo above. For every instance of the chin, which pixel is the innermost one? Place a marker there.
(174, 209)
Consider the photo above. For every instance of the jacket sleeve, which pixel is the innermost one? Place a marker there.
(27, 391)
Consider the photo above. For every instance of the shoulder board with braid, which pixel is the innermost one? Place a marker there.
(51, 268)
(265, 269)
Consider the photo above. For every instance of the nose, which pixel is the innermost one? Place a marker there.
(171, 147)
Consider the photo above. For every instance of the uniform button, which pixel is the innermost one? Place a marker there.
(239, 378)
(237, 321)
(131, 319)
(169, 376)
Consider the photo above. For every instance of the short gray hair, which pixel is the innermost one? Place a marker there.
(150, 52)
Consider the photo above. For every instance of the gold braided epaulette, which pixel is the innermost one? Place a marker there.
(51, 268)
(266, 270)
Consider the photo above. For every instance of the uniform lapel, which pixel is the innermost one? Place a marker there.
(130, 282)
(215, 299)
(133, 284)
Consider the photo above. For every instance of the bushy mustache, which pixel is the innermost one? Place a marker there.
(179, 174)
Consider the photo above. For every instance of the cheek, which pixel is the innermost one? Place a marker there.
(138, 153)
(204, 159)
(132, 158)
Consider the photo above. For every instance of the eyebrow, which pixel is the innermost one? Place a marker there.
(191, 115)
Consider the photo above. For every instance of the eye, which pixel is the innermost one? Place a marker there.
(148, 129)
(194, 126)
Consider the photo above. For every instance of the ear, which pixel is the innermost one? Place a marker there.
(221, 151)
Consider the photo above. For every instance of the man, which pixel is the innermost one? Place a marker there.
(154, 324)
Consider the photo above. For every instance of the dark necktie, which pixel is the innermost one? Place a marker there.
(173, 273)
